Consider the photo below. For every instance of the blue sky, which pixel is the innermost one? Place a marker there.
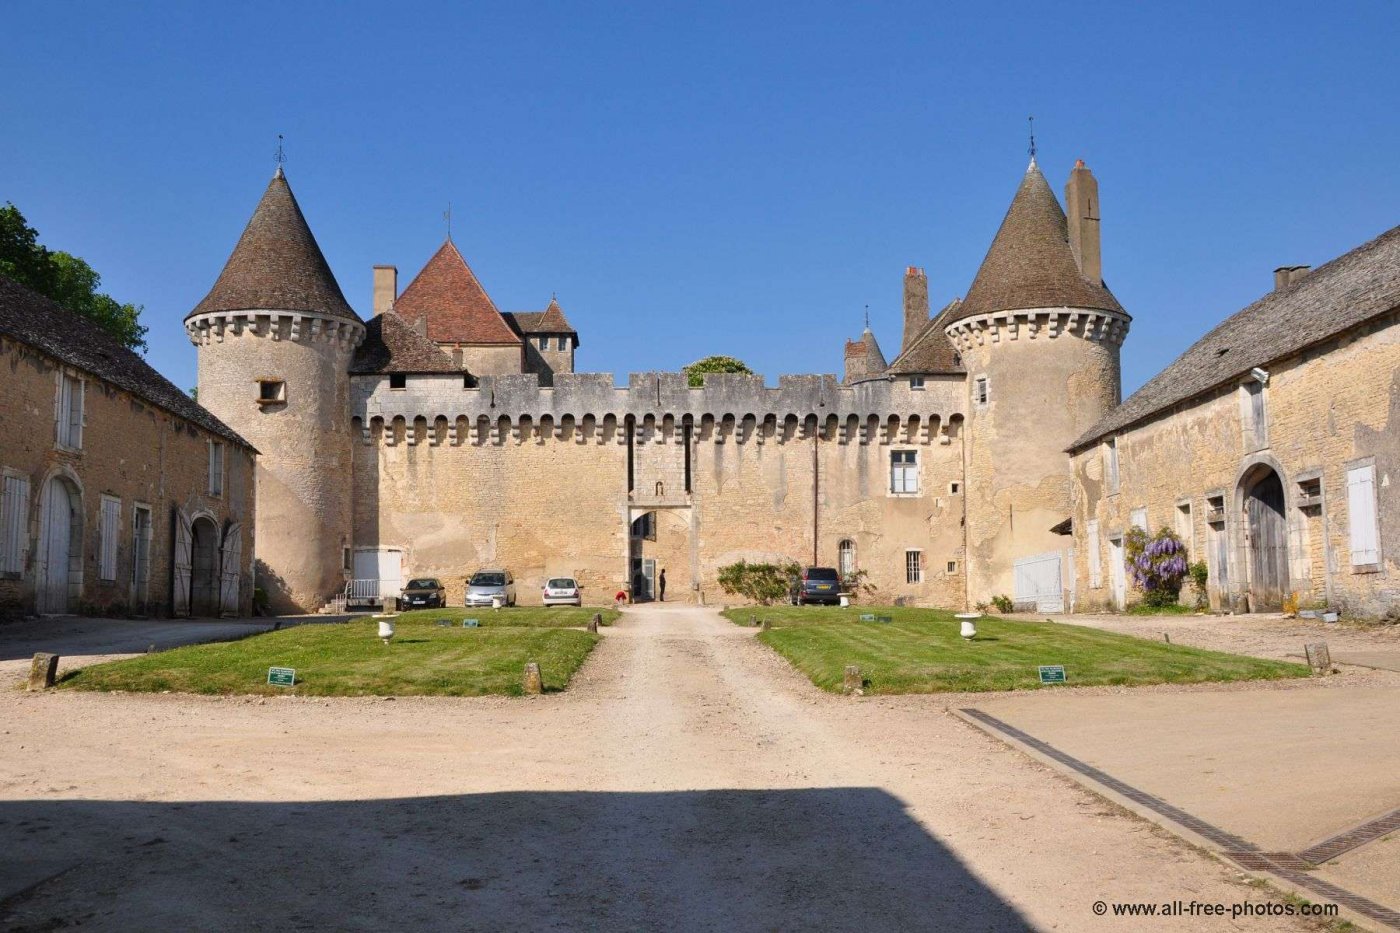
(714, 178)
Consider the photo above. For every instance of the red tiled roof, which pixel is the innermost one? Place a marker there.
(458, 309)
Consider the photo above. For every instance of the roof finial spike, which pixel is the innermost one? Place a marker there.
(867, 317)
(1031, 122)
(447, 216)
(280, 157)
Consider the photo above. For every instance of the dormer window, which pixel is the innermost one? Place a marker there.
(916, 382)
(544, 343)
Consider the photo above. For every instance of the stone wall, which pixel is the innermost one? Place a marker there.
(536, 478)
(492, 361)
(131, 450)
(1328, 408)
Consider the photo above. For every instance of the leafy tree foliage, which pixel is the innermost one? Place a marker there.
(695, 372)
(765, 584)
(64, 278)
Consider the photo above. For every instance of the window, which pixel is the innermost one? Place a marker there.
(1138, 518)
(110, 522)
(398, 380)
(1185, 528)
(1095, 563)
(1361, 516)
(14, 524)
(563, 343)
(644, 526)
(1110, 463)
(953, 488)
(913, 566)
(544, 343)
(846, 558)
(216, 468)
(345, 559)
(904, 472)
(952, 566)
(1310, 491)
(916, 382)
(70, 412)
(271, 391)
(981, 391)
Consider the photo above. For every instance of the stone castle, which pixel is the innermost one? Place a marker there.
(991, 457)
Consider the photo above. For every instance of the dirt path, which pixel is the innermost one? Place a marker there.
(689, 779)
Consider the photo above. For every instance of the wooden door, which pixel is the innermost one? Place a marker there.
(57, 553)
(1268, 544)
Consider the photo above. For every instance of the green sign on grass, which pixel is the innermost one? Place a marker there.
(884, 618)
(281, 676)
(1052, 673)
(444, 623)
(867, 617)
(471, 623)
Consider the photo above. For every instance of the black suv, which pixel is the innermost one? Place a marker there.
(816, 585)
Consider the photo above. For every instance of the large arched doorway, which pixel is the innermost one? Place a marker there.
(660, 545)
(1265, 538)
(204, 567)
(60, 547)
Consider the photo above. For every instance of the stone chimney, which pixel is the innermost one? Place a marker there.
(915, 304)
(1285, 276)
(1082, 212)
(386, 288)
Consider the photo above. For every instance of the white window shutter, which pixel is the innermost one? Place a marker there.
(1361, 516)
(1095, 567)
(14, 521)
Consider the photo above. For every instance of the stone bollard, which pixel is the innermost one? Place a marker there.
(1319, 657)
(767, 625)
(852, 684)
(593, 625)
(533, 684)
(1166, 637)
(42, 671)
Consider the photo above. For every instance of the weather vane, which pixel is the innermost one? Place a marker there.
(867, 317)
(1031, 120)
(281, 156)
(447, 216)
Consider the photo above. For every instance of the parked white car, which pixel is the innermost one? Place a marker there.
(562, 591)
(488, 585)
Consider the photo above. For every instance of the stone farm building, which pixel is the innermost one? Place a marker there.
(990, 456)
(120, 493)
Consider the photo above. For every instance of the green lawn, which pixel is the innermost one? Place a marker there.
(518, 616)
(424, 659)
(920, 651)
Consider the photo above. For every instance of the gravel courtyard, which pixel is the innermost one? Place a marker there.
(688, 779)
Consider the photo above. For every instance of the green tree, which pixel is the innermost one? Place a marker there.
(762, 583)
(695, 372)
(64, 278)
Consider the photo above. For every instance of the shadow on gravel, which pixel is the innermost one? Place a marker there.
(837, 858)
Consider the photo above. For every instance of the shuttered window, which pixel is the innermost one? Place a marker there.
(216, 468)
(111, 520)
(69, 412)
(1095, 566)
(1361, 516)
(1138, 518)
(14, 524)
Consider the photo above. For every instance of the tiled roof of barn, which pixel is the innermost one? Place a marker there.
(549, 321)
(1333, 298)
(457, 307)
(391, 345)
(30, 318)
(277, 265)
(932, 351)
(1030, 263)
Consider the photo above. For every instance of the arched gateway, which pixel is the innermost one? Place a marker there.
(1265, 538)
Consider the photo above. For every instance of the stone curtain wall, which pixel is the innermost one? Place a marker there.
(1334, 405)
(535, 478)
(130, 450)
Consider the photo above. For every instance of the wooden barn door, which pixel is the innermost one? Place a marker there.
(1268, 543)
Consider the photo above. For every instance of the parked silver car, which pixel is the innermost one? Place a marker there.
(562, 591)
(488, 585)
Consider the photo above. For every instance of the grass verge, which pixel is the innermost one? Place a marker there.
(920, 651)
(515, 617)
(424, 659)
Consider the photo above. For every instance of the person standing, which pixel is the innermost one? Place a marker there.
(661, 586)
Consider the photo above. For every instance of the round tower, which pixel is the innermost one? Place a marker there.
(1039, 334)
(275, 337)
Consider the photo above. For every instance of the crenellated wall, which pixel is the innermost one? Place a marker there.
(535, 478)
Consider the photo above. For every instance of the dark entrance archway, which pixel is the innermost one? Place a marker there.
(1266, 538)
(204, 568)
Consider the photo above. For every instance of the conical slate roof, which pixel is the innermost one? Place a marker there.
(1030, 264)
(277, 265)
(458, 309)
(391, 345)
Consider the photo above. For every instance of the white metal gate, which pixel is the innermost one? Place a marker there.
(1038, 579)
(378, 575)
